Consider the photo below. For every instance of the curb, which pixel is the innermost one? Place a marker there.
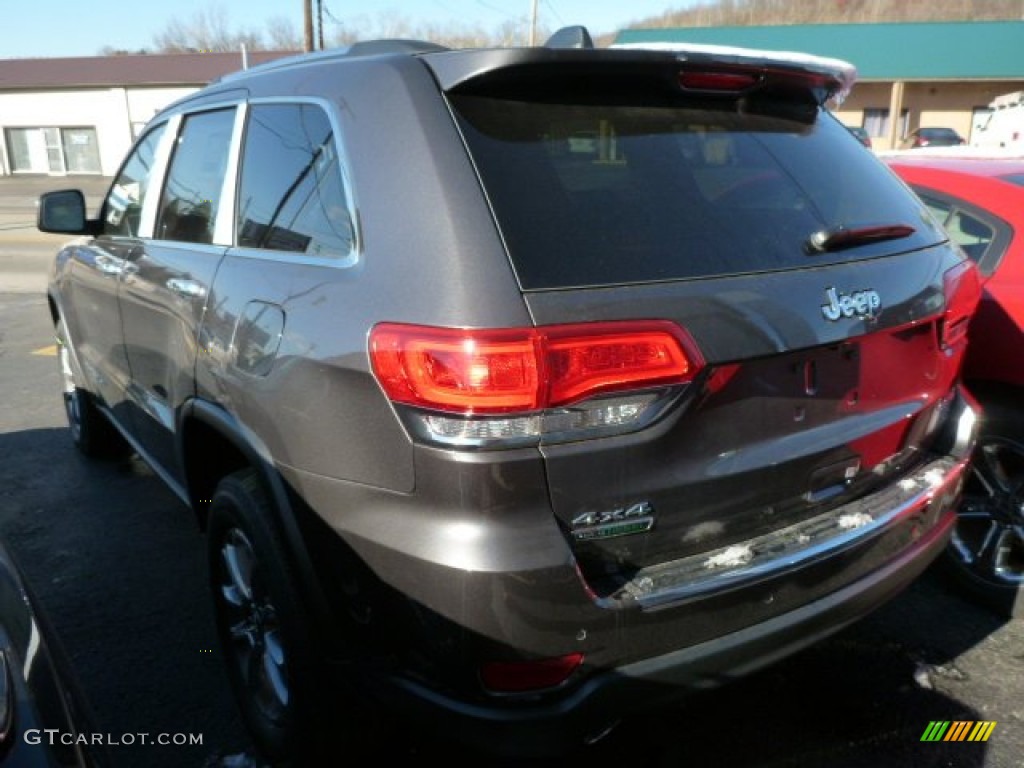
(28, 237)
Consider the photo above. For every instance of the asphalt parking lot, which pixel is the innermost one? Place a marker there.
(120, 568)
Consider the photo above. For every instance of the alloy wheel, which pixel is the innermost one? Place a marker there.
(988, 541)
(253, 626)
(72, 395)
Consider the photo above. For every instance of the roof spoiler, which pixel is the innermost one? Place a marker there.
(842, 74)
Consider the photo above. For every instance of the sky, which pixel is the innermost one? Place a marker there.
(49, 28)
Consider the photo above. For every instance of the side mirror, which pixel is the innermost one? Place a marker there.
(63, 212)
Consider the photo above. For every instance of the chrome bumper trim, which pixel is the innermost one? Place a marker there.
(933, 487)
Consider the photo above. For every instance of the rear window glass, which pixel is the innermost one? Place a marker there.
(600, 194)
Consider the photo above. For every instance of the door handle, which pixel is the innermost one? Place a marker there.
(186, 288)
(108, 265)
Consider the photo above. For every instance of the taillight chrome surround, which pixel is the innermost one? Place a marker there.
(599, 417)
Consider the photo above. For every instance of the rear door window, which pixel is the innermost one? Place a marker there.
(195, 179)
(599, 194)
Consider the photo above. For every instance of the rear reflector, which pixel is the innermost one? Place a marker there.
(501, 371)
(523, 676)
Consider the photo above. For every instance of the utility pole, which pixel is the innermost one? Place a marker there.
(533, 24)
(307, 17)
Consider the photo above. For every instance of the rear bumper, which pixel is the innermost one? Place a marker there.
(719, 624)
(554, 726)
(686, 628)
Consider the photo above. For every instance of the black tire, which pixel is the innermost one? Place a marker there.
(90, 430)
(264, 632)
(984, 560)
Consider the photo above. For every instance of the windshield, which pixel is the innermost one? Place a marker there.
(598, 194)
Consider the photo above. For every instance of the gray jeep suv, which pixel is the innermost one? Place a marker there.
(518, 390)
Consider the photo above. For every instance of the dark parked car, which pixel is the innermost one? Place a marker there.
(980, 201)
(932, 137)
(862, 135)
(521, 390)
(45, 720)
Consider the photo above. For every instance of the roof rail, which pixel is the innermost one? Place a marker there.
(570, 37)
(378, 47)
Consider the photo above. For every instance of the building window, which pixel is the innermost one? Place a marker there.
(26, 149)
(53, 150)
(81, 151)
(876, 122)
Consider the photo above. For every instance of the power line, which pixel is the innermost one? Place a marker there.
(557, 15)
(334, 19)
(494, 8)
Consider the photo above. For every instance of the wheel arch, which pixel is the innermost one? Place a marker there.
(213, 444)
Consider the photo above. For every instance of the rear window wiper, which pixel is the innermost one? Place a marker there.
(842, 237)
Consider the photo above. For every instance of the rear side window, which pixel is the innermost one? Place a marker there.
(982, 236)
(599, 194)
(291, 194)
(191, 198)
(123, 206)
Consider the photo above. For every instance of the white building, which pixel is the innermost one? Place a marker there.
(80, 115)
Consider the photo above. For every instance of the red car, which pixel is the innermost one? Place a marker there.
(980, 202)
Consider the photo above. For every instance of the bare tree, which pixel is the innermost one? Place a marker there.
(207, 31)
(282, 35)
(390, 24)
(110, 50)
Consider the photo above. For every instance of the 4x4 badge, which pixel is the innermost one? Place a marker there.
(622, 521)
(861, 303)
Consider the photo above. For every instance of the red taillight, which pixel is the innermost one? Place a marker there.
(584, 360)
(962, 288)
(526, 369)
(522, 676)
(455, 370)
